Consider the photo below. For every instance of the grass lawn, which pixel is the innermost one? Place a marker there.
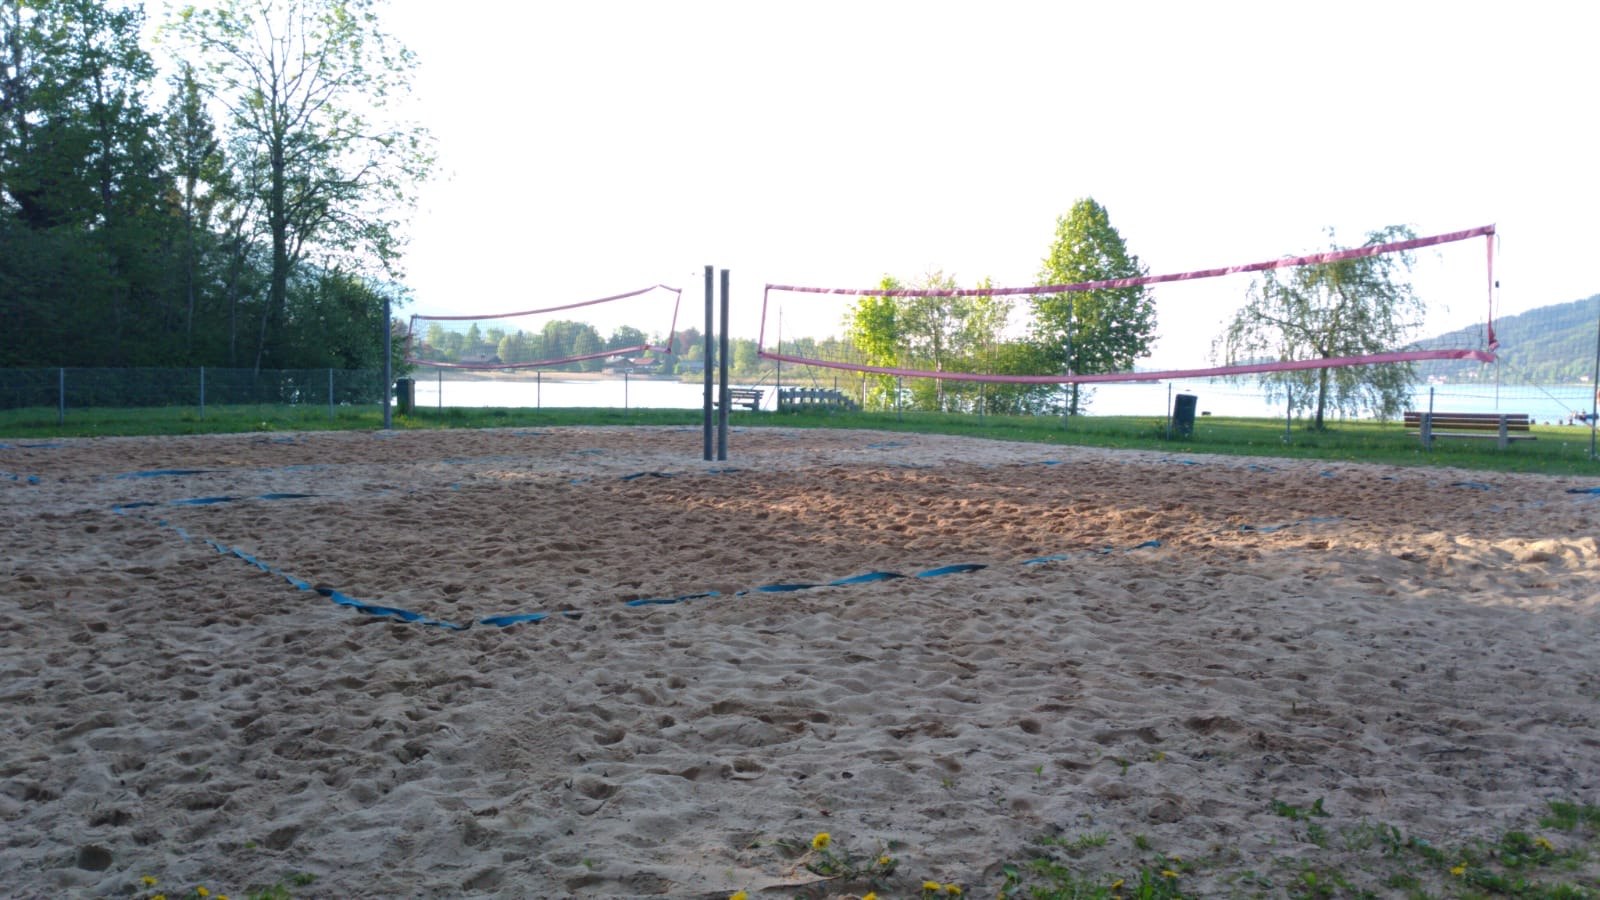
(1557, 449)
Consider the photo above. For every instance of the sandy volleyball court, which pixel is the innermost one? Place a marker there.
(1154, 648)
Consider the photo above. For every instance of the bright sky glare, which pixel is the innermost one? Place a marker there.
(589, 148)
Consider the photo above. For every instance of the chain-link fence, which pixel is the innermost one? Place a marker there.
(68, 389)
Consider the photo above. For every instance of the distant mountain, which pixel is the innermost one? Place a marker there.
(1548, 345)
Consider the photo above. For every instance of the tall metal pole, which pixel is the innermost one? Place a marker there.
(1594, 404)
(711, 356)
(388, 365)
(722, 367)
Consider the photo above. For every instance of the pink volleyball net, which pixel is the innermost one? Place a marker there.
(634, 329)
(889, 341)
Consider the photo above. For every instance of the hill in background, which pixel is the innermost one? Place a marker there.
(1548, 345)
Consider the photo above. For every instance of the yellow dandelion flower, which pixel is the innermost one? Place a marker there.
(931, 885)
(870, 895)
(202, 892)
(739, 895)
(885, 860)
(159, 897)
(149, 880)
(1116, 885)
(821, 841)
(1168, 873)
(953, 890)
(1460, 870)
(1543, 843)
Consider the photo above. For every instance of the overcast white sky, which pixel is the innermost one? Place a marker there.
(588, 148)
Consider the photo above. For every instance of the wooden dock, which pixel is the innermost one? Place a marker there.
(813, 398)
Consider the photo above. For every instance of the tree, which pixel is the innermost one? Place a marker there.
(1352, 307)
(307, 84)
(1089, 332)
(80, 254)
(625, 336)
(873, 328)
(196, 165)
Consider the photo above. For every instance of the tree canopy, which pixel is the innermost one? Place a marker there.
(1091, 332)
(1352, 307)
(234, 221)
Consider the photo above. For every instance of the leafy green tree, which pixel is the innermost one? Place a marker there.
(1102, 330)
(195, 163)
(874, 330)
(307, 86)
(1352, 307)
(586, 341)
(80, 186)
(625, 336)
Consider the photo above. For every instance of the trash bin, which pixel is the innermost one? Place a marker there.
(1183, 407)
(405, 396)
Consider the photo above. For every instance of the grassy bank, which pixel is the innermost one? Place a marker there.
(1557, 449)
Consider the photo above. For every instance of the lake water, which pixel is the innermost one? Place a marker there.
(1545, 403)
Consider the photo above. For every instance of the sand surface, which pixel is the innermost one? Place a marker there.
(1156, 646)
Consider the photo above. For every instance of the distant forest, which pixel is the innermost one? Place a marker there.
(1548, 345)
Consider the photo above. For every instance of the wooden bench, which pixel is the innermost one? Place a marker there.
(749, 398)
(1503, 427)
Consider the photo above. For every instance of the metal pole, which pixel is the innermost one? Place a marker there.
(710, 358)
(202, 392)
(1169, 411)
(624, 388)
(538, 390)
(330, 392)
(61, 396)
(440, 373)
(778, 378)
(722, 368)
(1594, 404)
(388, 365)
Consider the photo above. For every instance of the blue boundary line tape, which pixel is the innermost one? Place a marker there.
(506, 620)
(24, 479)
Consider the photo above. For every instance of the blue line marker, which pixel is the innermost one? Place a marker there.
(667, 601)
(159, 473)
(865, 579)
(137, 504)
(952, 570)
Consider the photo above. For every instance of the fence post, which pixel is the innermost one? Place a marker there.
(202, 392)
(61, 396)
